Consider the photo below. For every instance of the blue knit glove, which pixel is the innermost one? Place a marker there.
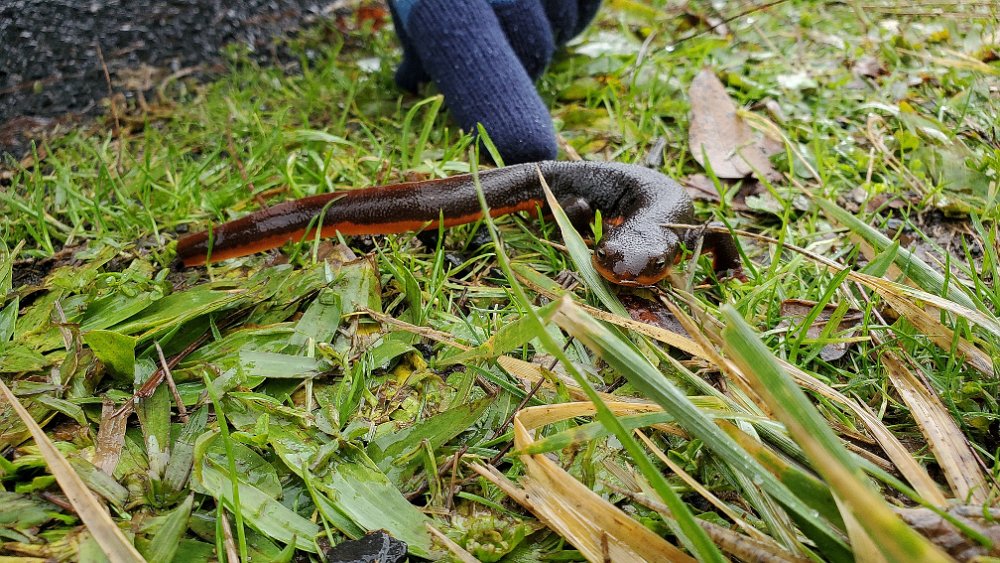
(484, 56)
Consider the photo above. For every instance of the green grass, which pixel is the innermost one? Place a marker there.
(326, 396)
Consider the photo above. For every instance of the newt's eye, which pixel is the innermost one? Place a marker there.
(601, 253)
(660, 263)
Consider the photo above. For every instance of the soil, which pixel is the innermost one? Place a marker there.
(53, 53)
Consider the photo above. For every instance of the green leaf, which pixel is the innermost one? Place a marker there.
(259, 546)
(390, 347)
(17, 358)
(879, 265)
(7, 257)
(154, 420)
(251, 467)
(116, 308)
(22, 512)
(508, 337)
(193, 550)
(175, 476)
(893, 537)
(358, 288)
(349, 488)
(320, 320)
(114, 350)
(280, 366)
(390, 451)
(358, 489)
(62, 406)
(260, 510)
(177, 308)
(165, 544)
(100, 482)
(8, 320)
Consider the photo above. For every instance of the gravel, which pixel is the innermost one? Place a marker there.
(51, 51)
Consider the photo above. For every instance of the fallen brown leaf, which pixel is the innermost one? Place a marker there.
(701, 188)
(954, 454)
(719, 138)
(947, 536)
(797, 310)
(869, 67)
(651, 313)
(110, 437)
(600, 530)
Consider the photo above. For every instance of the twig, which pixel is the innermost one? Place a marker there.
(725, 21)
(227, 533)
(146, 390)
(181, 411)
(59, 501)
(67, 336)
(450, 463)
(429, 333)
(450, 501)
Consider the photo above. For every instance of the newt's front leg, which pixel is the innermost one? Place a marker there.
(720, 243)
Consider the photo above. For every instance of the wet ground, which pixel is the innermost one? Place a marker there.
(57, 57)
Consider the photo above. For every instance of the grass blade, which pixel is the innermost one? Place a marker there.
(912, 266)
(164, 545)
(644, 377)
(113, 542)
(692, 535)
(894, 539)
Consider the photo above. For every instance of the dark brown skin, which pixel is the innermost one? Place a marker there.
(635, 202)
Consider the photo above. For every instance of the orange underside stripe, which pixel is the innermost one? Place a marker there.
(349, 229)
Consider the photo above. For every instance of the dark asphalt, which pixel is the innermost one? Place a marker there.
(50, 65)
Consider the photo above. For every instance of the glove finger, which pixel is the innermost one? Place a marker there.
(528, 32)
(470, 59)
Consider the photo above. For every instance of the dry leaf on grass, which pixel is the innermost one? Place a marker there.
(797, 310)
(952, 451)
(110, 437)
(598, 529)
(719, 138)
(701, 188)
(927, 319)
(905, 463)
(756, 546)
(948, 537)
(868, 66)
(652, 313)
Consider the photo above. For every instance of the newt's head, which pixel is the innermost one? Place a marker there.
(628, 256)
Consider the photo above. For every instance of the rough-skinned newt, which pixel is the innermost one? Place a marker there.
(641, 209)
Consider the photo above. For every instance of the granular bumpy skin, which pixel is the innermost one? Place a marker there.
(644, 215)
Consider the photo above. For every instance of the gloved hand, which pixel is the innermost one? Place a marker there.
(484, 56)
